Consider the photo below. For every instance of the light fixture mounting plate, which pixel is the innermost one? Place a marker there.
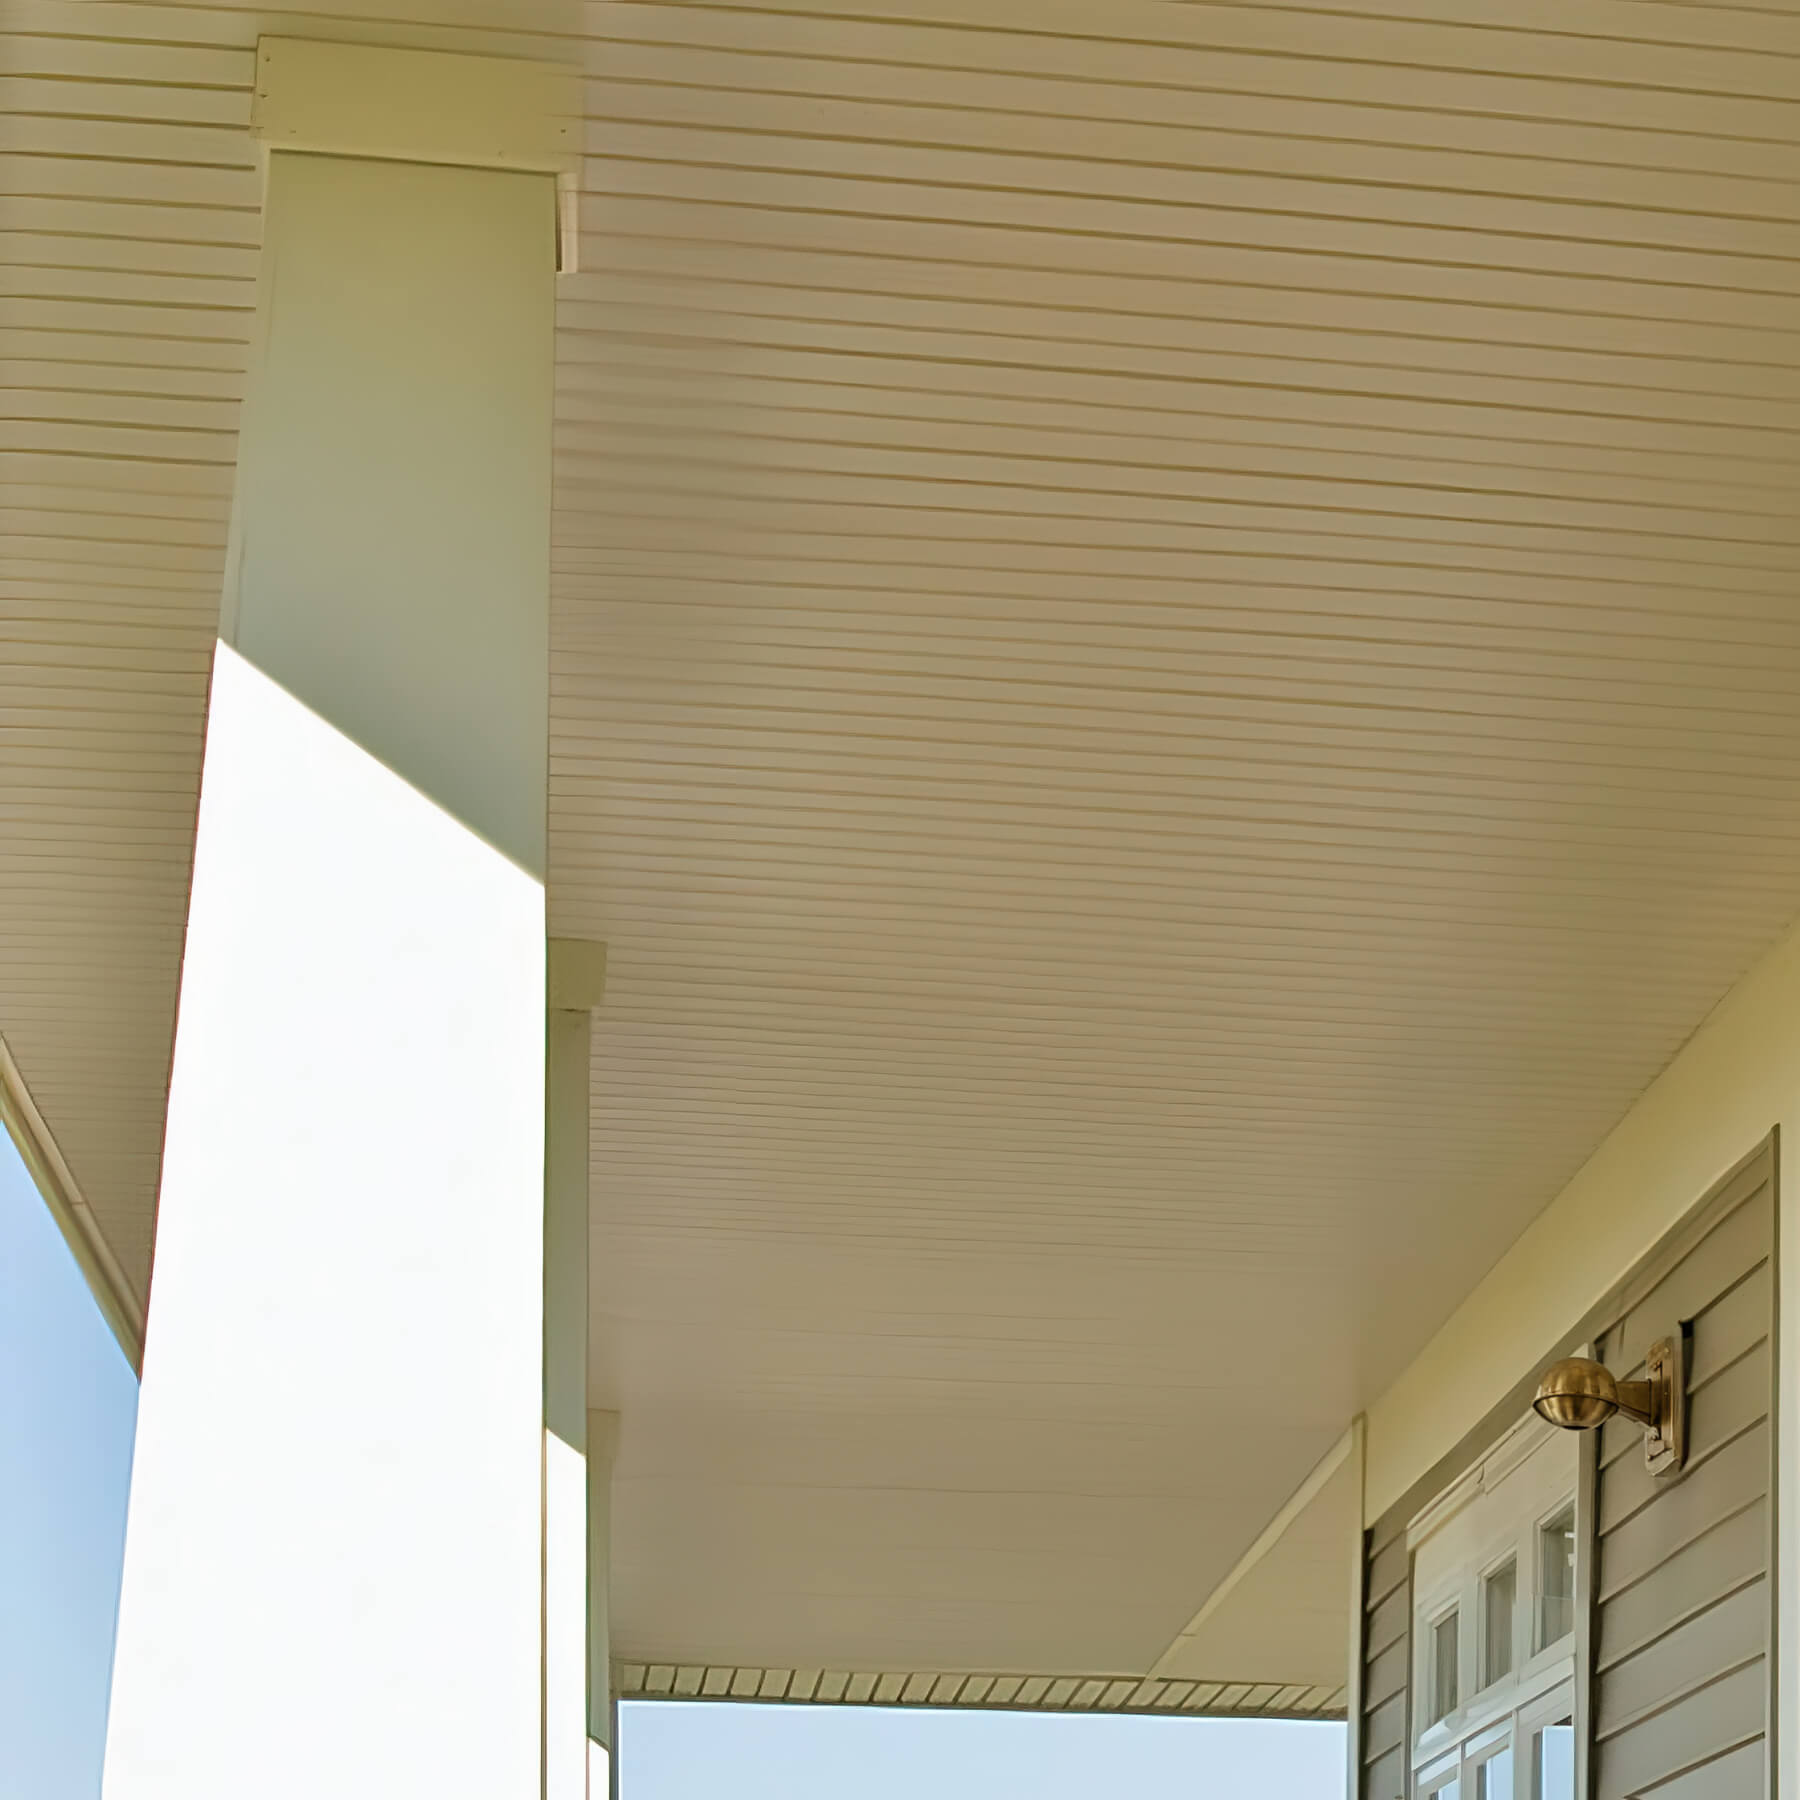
(1665, 1436)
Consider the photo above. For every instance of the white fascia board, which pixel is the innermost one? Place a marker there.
(44, 1162)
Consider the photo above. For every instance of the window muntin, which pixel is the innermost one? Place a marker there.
(1494, 1778)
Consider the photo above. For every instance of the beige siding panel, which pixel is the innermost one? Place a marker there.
(1385, 1675)
(1731, 1481)
(1724, 1638)
(1737, 1324)
(1386, 1778)
(1683, 1630)
(1723, 1716)
(1740, 1774)
(1386, 1652)
(1388, 1568)
(1384, 1728)
(1730, 1556)
(1736, 1247)
(1719, 1414)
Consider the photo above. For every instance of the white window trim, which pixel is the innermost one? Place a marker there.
(1489, 1715)
(1551, 1702)
(1547, 1518)
(1506, 1558)
(1451, 1609)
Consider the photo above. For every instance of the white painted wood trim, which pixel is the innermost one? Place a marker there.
(1359, 1600)
(1488, 1471)
(366, 100)
(1272, 1534)
(434, 106)
(602, 1448)
(577, 974)
(113, 1293)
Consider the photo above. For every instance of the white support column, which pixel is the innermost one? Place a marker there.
(603, 1712)
(577, 973)
(335, 1547)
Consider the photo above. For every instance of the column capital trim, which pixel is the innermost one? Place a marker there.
(577, 974)
(368, 100)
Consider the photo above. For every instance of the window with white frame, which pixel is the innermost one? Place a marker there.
(1556, 1576)
(1494, 1586)
(1499, 1626)
(1443, 1677)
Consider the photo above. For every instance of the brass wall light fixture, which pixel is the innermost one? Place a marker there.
(1580, 1395)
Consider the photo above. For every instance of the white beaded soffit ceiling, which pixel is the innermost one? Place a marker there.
(1173, 670)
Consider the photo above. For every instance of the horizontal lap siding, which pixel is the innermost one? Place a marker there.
(1680, 1692)
(1387, 1600)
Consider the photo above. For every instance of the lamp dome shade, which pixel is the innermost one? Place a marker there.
(1577, 1394)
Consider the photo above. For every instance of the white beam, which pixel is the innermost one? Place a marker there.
(1270, 1535)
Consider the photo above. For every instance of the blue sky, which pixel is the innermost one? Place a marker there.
(68, 1401)
(67, 1407)
(744, 1752)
